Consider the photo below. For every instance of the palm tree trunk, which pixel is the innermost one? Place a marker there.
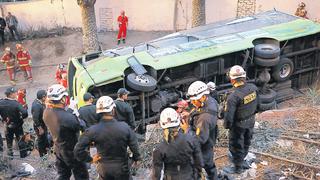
(198, 13)
(89, 27)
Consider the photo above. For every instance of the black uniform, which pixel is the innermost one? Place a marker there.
(181, 158)
(64, 128)
(111, 139)
(3, 25)
(37, 116)
(124, 112)
(12, 114)
(89, 115)
(204, 126)
(240, 119)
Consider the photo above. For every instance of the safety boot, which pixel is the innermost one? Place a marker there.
(124, 41)
(119, 41)
(233, 169)
(13, 82)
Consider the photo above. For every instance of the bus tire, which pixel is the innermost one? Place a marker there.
(266, 62)
(283, 71)
(267, 106)
(143, 83)
(267, 51)
(267, 97)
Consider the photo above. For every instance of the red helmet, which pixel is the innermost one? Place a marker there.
(183, 104)
(22, 91)
(19, 46)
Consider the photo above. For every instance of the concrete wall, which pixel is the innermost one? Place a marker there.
(143, 14)
(43, 13)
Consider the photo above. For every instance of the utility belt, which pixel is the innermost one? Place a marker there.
(247, 118)
(177, 168)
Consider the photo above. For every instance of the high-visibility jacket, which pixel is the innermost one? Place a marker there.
(23, 58)
(9, 60)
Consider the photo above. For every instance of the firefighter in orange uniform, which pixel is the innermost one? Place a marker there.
(59, 72)
(123, 24)
(8, 59)
(24, 61)
(22, 93)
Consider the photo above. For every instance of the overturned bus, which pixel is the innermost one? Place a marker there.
(280, 53)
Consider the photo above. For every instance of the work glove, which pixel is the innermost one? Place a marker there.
(95, 158)
(73, 104)
(30, 63)
(184, 125)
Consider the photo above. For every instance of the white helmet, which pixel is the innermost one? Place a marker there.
(237, 72)
(56, 92)
(211, 86)
(60, 66)
(197, 89)
(169, 118)
(105, 104)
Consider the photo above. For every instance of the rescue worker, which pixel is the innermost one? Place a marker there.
(26, 145)
(203, 123)
(239, 117)
(60, 70)
(124, 111)
(179, 154)
(8, 59)
(64, 128)
(24, 61)
(22, 99)
(111, 138)
(12, 114)
(37, 109)
(123, 24)
(212, 89)
(301, 10)
(88, 111)
(64, 81)
(182, 106)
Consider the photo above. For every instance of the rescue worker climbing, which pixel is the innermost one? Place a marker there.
(64, 128)
(203, 123)
(111, 138)
(123, 24)
(37, 109)
(12, 114)
(24, 61)
(60, 70)
(239, 117)
(178, 155)
(9, 60)
(124, 111)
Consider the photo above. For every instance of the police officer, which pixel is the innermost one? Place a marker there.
(239, 117)
(37, 109)
(12, 114)
(124, 111)
(179, 155)
(88, 111)
(111, 138)
(203, 123)
(64, 128)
